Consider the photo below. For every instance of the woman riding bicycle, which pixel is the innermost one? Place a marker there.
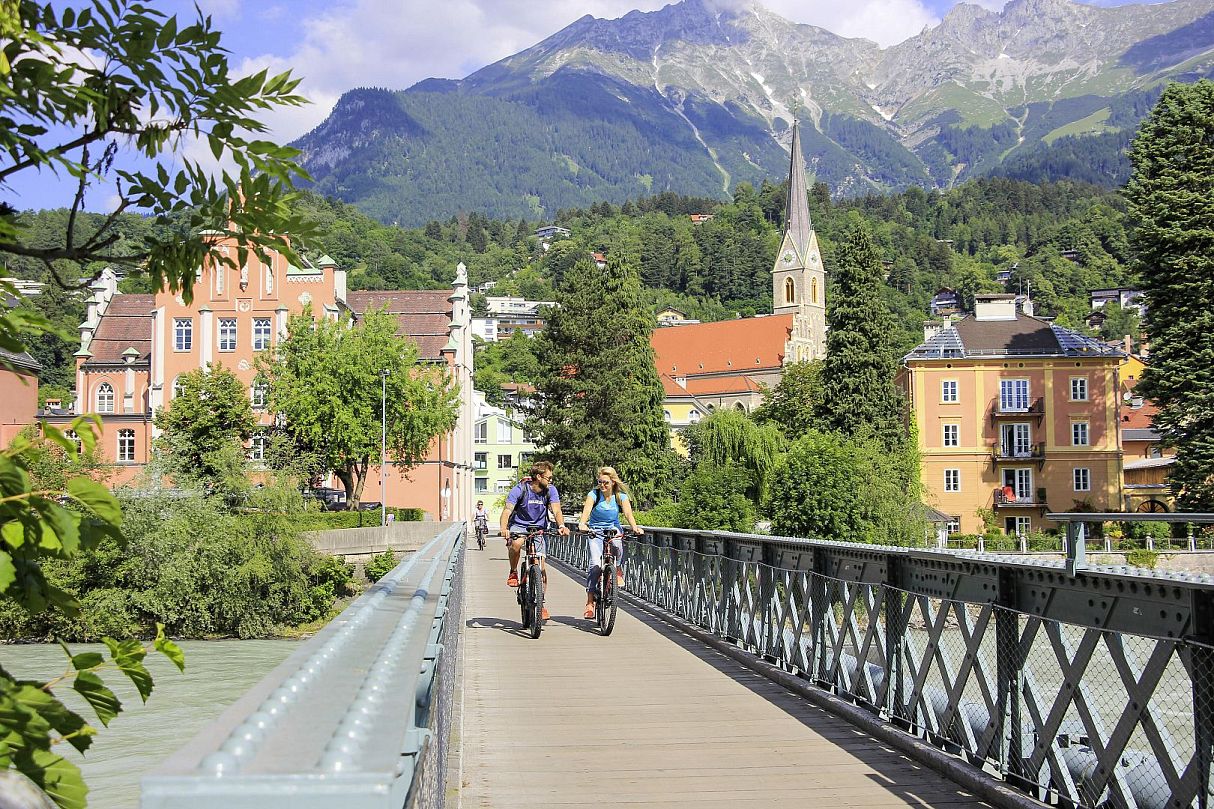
(600, 513)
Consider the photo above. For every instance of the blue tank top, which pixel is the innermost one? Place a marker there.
(606, 512)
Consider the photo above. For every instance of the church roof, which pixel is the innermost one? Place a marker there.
(731, 347)
(424, 315)
(797, 223)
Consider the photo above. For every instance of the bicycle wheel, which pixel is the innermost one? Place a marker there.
(524, 600)
(607, 591)
(535, 584)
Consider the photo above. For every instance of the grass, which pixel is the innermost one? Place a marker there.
(1091, 125)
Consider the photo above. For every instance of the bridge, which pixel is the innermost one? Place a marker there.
(744, 671)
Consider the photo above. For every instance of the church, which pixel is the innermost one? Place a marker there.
(708, 366)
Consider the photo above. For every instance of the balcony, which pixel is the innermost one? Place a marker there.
(1003, 453)
(1003, 501)
(1034, 411)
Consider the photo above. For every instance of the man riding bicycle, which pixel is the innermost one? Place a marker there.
(527, 507)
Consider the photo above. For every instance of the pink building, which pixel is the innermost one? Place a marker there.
(18, 393)
(134, 348)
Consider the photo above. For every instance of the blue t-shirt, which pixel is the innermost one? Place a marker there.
(606, 512)
(530, 509)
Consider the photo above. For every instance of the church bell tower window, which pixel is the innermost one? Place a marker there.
(813, 290)
(790, 292)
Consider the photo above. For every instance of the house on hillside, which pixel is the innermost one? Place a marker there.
(946, 301)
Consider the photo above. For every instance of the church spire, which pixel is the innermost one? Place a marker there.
(796, 223)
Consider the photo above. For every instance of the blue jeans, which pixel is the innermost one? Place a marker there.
(595, 540)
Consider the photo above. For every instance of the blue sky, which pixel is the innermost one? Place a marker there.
(335, 45)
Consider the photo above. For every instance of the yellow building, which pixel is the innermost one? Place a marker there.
(1017, 415)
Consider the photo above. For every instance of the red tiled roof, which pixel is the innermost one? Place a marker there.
(424, 315)
(672, 388)
(742, 345)
(127, 323)
(738, 383)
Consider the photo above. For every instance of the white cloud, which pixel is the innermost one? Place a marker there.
(396, 43)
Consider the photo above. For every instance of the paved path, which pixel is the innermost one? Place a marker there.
(647, 717)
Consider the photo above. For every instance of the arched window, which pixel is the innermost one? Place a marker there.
(790, 291)
(666, 415)
(105, 398)
(813, 290)
(178, 387)
(741, 408)
(694, 417)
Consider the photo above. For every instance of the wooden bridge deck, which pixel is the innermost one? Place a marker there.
(646, 717)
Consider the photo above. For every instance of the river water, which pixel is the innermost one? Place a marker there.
(216, 674)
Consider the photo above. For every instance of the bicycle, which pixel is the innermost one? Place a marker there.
(482, 530)
(531, 583)
(604, 599)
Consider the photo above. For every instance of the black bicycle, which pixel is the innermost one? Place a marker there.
(482, 530)
(604, 600)
(531, 582)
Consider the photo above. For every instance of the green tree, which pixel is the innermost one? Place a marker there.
(599, 398)
(204, 427)
(325, 381)
(1171, 199)
(728, 440)
(791, 404)
(150, 82)
(713, 498)
(858, 391)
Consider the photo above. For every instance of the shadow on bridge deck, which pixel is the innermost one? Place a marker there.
(646, 717)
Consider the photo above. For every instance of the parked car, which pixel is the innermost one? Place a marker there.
(330, 499)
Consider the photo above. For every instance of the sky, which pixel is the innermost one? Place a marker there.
(336, 45)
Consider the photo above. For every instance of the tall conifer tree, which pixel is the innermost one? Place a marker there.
(858, 391)
(1171, 195)
(599, 399)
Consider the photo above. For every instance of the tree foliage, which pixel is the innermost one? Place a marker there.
(730, 441)
(714, 498)
(325, 381)
(791, 404)
(1171, 197)
(858, 390)
(108, 93)
(206, 423)
(599, 398)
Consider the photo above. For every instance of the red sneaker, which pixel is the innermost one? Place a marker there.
(588, 614)
(512, 579)
(544, 613)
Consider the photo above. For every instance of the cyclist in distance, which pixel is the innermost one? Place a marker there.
(481, 514)
(600, 512)
(527, 508)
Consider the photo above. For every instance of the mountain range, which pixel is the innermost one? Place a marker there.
(700, 95)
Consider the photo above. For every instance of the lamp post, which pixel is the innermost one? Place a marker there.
(383, 447)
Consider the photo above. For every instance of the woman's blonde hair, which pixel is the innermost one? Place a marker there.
(617, 485)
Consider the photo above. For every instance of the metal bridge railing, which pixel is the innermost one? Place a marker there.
(1092, 689)
(357, 718)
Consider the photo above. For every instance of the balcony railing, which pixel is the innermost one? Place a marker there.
(1017, 501)
(1035, 410)
(1004, 453)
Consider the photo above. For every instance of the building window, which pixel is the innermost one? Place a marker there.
(258, 394)
(480, 432)
(71, 435)
(666, 416)
(813, 290)
(505, 462)
(948, 391)
(126, 446)
(178, 387)
(1079, 433)
(257, 447)
(790, 291)
(481, 461)
(503, 431)
(1079, 389)
(952, 435)
(481, 486)
(1018, 526)
(261, 333)
(1013, 395)
(105, 398)
(1083, 479)
(953, 526)
(183, 334)
(227, 334)
(1154, 451)
(952, 480)
(694, 417)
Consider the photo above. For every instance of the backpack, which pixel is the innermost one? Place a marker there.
(526, 481)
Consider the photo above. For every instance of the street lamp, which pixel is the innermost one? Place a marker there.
(383, 447)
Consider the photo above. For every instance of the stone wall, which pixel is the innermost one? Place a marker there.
(358, 545)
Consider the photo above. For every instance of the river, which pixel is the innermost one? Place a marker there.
(216, 674)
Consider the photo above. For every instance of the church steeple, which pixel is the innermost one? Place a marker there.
(797, 224)
(798, 280)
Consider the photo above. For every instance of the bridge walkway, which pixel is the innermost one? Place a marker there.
(645, 717)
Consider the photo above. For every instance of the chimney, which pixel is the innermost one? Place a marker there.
(54, 404)
(1127, 344)
(1026, 306)
(931, 328)
(994, 307)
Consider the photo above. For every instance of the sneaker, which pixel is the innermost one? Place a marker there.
(619, 577)
(589, 613)
(512, 579)
(544, 613)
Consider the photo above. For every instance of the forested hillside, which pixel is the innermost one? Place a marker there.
(720, 268)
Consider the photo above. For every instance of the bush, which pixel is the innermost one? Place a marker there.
(325, 520)
(1141, 557)
(665, 514)
(380, 565)
(713, 498)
